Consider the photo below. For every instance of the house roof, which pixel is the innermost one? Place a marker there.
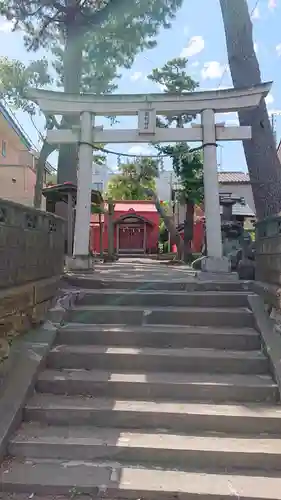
(18, 130)
(233, 178)
(21, 134)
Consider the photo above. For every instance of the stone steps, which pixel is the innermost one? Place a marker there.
(152, 394)
(140, 447)
(162, 336)
(152, 298)
(177, 416)
(193, 316)
(156, 284)
(181, 386)
(74, 478)
(152, 359)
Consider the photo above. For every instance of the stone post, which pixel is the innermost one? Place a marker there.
(214, 261)
(81, 256)
(110, 230)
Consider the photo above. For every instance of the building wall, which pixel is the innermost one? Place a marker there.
(100, 177)
(243, 190)
(17, 183)
(17, 177)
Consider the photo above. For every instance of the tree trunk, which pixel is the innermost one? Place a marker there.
(188, 231)
(45, 152)
(170, 226)
(260, 152)
(72, 70)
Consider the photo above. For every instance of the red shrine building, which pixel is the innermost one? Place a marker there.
(136, 228)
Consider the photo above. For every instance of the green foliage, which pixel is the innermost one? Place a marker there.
(91, 40)
(41, 20)
(187, 166)
(16, 78)
(175, 80)
(132, 180)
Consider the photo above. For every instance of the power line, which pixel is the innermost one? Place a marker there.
(128, 155)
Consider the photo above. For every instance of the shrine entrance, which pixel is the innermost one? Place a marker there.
(147, 107)
(131, 233)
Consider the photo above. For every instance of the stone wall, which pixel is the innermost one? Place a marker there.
(31, 265)
(268, 260)
(31, 244)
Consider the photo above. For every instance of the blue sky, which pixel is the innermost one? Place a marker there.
(200, 38)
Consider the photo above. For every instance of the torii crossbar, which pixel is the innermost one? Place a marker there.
(147, 107)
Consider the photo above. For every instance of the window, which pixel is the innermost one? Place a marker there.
(98, 186)
(4, 148)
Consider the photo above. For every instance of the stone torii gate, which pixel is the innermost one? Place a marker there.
(146, 107)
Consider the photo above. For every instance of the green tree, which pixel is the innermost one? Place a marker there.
(260, 152)
(187, 166)
(90, 39)
(133, 181)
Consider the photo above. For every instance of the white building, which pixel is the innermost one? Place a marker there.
(238, 184)
(102, 174)
(100, 177)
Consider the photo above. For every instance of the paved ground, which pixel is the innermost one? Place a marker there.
(139, 268)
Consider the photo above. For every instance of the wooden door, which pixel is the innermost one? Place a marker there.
(131, 237)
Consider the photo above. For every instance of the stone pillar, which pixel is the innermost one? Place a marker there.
(214, 261)
(110, 231)
(81, 257)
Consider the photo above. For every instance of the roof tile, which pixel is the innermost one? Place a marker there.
(233, 177)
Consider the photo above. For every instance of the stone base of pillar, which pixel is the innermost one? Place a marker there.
(216, 265)
(80, 263)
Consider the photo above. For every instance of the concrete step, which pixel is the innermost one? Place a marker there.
(193, 316)
(245, 339)
(150, 359)
(143, 448)
(181, 284)
(74, 478)
(163, 299)
(253, 419)
(196, 387)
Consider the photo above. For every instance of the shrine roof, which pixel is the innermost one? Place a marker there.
(142, 206)
(233, 178)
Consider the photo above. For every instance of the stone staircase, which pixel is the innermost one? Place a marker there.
(152, 393)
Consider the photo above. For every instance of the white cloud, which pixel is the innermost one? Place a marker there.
(195, 45)
(269, 99)
(5, 26)
(195, 64)
(278, 49)
(137, 75)
(161, 87)
(256, 47)
(274, 112)
(256, 13)
(272, 4)
(213, 69)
